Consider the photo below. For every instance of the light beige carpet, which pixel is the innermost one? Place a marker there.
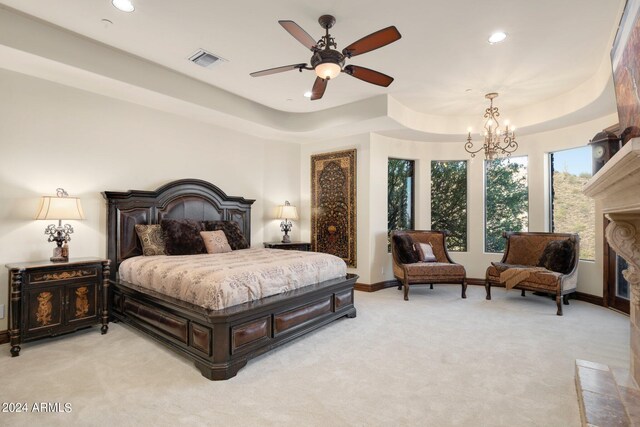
(436, 360)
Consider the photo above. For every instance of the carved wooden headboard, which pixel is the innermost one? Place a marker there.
(182, 199)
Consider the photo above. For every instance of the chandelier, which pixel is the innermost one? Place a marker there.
(497, 142)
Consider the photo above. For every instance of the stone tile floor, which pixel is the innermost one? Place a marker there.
(607, 396)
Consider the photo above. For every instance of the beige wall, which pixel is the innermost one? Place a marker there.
(55, 136)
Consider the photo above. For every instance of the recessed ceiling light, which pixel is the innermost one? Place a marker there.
(123, 5)
(497, 37)
(307, 94)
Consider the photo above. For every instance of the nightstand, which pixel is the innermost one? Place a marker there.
(291, 246)
(52, 298)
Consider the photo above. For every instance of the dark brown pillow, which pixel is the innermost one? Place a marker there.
(231, 230)
(558, 256)
(405, 249)
(182, 237)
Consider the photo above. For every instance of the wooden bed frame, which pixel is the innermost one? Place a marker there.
(218, 341)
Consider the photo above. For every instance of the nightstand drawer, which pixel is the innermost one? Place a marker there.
(48, 276)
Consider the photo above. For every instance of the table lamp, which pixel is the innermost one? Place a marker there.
(60, 207)
(286, 212)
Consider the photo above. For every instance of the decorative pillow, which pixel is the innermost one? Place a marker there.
(151, 238)
(405, 250)
(215, 242)
(558, 256)
(425, 251)
(182, 237)
(231, 230)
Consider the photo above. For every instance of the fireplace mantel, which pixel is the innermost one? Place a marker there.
(617, 187)
(617, 184)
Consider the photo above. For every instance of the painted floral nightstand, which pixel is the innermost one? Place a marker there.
(52, 298)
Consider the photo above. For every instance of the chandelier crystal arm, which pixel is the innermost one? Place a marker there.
(497, 142)
(469, 146)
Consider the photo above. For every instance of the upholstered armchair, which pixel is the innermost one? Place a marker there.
(522, 263)
(442, 270)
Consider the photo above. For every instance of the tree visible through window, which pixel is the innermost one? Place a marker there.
(400, 210)
(571, 210)
(506, 200)
(449, 201)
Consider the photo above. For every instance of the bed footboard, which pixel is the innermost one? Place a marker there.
(220, 342)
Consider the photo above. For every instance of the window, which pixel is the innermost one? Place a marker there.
(506, 200)
(449, 201)
(400, 210)
(571, 210)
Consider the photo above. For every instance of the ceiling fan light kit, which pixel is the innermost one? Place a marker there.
(328, 63)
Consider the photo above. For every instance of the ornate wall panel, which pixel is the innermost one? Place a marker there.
(333, 204)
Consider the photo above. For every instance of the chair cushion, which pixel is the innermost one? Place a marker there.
(499, 267)
(436, 270)
(543, 280)
(558, 256)
(405, 249)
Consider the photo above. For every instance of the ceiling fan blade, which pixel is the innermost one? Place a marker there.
(319, 86)
(301, 35)
(277, 70)
(372, 41)
(369, 76)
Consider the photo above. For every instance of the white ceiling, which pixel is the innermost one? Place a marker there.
(443, 64)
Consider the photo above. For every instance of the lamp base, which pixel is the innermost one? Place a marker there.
(286, 239)
(58, 255)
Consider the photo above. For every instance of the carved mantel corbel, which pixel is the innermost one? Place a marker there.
(623, 235)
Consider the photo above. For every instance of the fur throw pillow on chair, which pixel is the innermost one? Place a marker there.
(558, 256)
(405, 249)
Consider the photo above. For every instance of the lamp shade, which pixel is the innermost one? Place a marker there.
(287, 212)
(52, 207)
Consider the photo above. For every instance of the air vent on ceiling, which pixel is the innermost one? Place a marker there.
(205, 59)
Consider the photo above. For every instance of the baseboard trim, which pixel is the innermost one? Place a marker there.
(364, 287)
(593, 299)
(4, 336)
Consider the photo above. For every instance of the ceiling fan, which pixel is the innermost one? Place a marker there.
(328, 62)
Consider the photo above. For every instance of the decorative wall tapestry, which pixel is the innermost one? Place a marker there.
(625, 59)
(333, 204)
